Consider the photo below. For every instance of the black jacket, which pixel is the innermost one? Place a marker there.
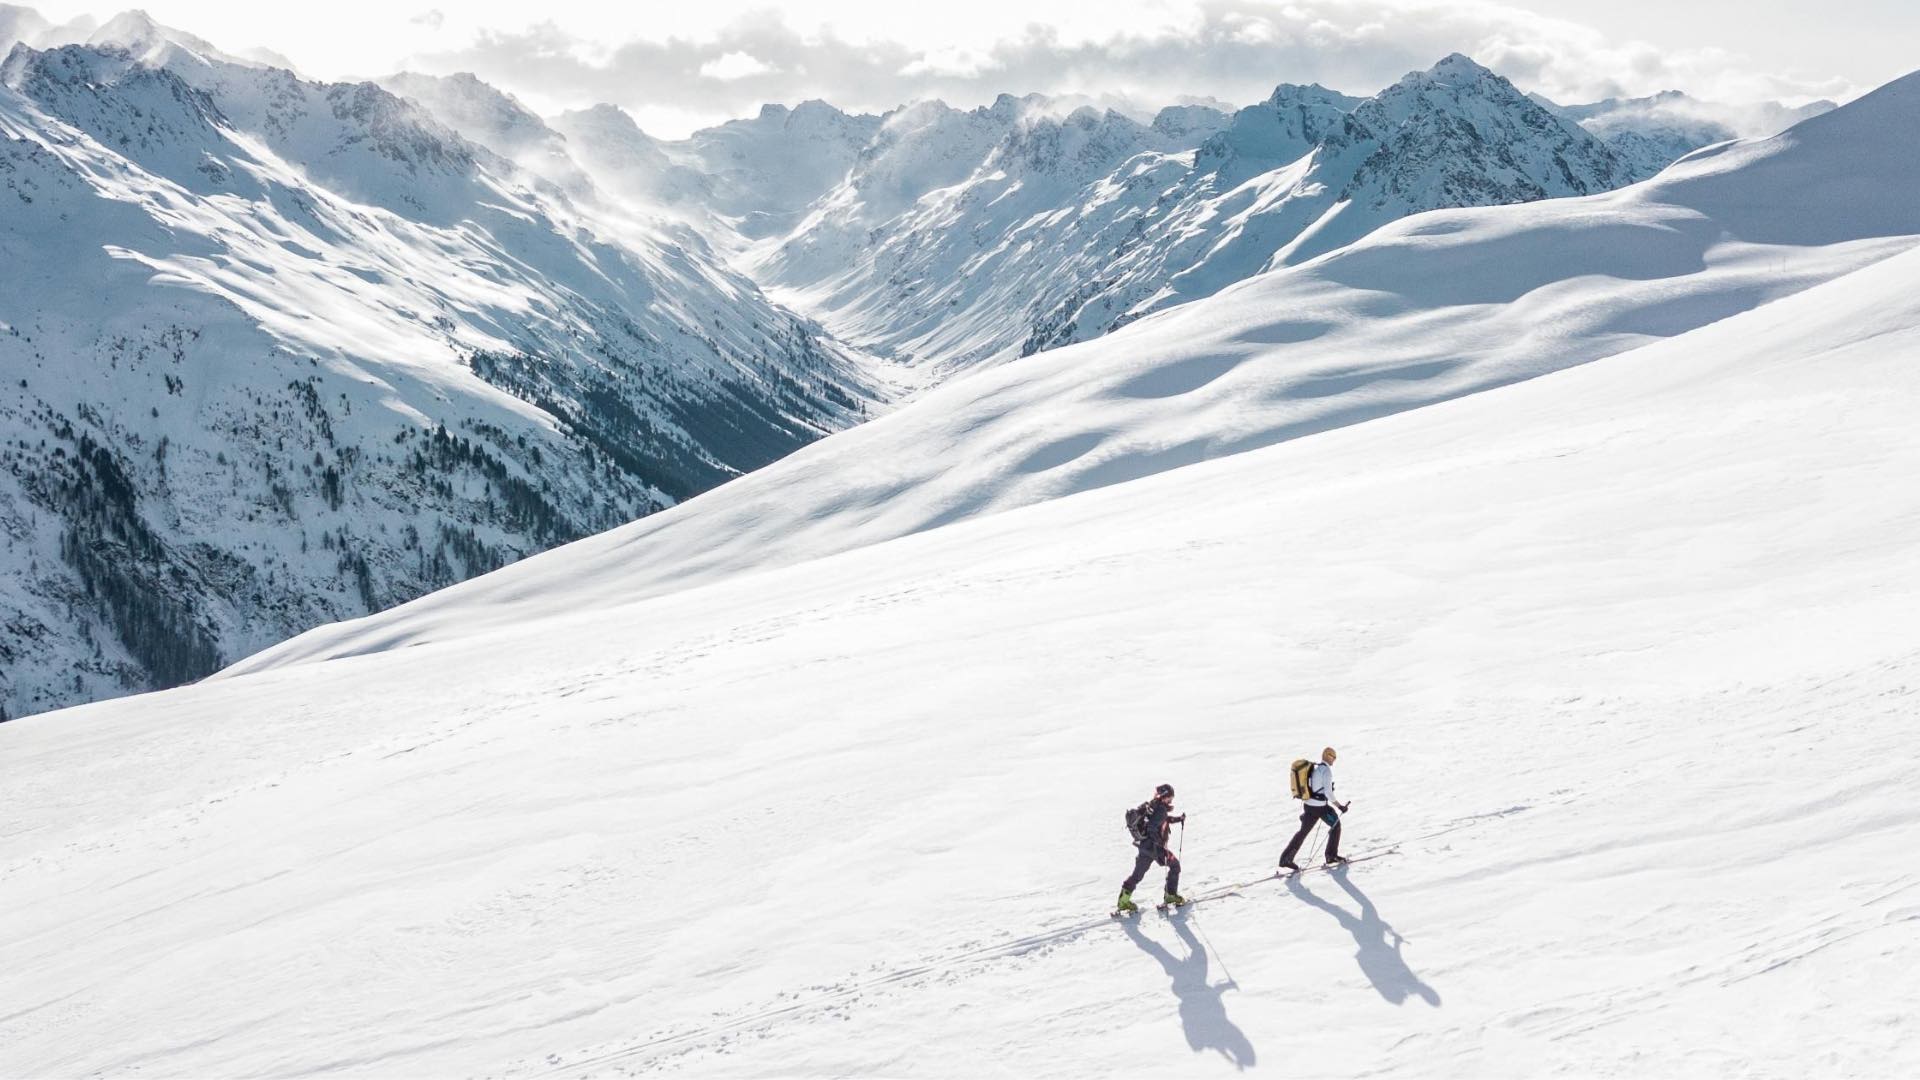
(1160, 821)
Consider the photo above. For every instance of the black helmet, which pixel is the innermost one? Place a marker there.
(1164, 791)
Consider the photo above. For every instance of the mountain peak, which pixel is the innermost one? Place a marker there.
(605, 118)
(463, 101)
(814, 110)
(1011, 107)
(137, 32)
(1453, 84)
(1310, 94)
(1189, 120)
(1457, 66)
(131, 21)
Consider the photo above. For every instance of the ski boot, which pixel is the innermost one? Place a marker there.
(1334, 862)
(1126, 901)
(1289, 866)
(1173, 900)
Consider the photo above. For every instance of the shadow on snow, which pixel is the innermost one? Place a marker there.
(1202, 1013)
(1380, 962)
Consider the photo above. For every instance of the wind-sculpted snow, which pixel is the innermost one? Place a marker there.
(290, 352)
(1620, 662)
(1433, 307)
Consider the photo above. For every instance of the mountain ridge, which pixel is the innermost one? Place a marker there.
(1159, 222)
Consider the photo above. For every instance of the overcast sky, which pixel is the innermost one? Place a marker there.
(679, 65)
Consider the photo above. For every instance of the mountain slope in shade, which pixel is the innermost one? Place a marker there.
(862, 817)
(1433, 307)
(967, 238)
(305, 353)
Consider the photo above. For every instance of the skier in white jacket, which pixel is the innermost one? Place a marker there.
(1321, 805)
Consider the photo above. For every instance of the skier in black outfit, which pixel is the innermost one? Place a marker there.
(1153, 849)
(1320, 804)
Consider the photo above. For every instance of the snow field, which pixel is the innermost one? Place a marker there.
(1622, 658)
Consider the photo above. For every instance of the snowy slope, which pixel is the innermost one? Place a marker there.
(1430, 308)
(964, 238)
(290, 352)
(1598, 650)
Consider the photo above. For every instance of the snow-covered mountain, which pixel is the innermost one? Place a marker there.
(314, 349)
(965, 238)
(1433, 307)
(1652, 132)
(635, 169)
(290, 352)
(1595, 648)
(488, 117)
(765, 172)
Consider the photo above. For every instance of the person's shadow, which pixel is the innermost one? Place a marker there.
(1202, 1013)
(1380, 962)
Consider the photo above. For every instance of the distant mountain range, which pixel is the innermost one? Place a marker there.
(962, 238)
(1652, 132)
(291, 352)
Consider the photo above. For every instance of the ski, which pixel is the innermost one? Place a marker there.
(1283, 872)
(1221, 892)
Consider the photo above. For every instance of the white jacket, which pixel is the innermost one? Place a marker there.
(1320, 785)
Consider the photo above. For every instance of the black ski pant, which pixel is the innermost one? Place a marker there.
(1309, 817)
(1147, 857)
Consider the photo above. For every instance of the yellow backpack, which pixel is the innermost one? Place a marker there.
(1298, 778)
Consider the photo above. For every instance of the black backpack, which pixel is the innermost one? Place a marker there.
(1137, 821)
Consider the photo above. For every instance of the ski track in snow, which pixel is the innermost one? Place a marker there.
(947, 968)
(1623, 660)
(1884, 912)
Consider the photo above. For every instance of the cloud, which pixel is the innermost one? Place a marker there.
(1234, 50)
(735, 65)
(432, 20)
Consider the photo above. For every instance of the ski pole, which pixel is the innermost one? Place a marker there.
(1182, 849)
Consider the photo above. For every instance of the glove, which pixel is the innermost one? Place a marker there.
(1181, 820)
(1344, 805)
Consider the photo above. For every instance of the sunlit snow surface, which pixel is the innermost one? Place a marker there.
(1623, 660)
(1431, 308)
